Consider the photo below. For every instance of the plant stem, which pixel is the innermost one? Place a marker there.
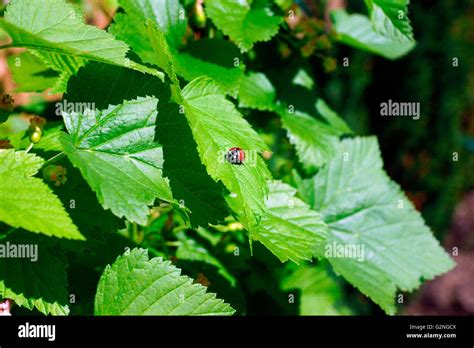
(135, 231)
(6, 46)
(55, 158)
(29, 148)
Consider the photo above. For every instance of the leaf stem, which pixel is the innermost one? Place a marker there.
(134, 231)
(6, 46)
(29, 148)
(53, 159)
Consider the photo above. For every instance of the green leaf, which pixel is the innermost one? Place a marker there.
(146, 39)
(303, 79)
(40, 284)
(334, 120)
(135, 285)
(190, 68)
(390, 18)
(315, 141)
(364, 209)
(217, 126)
(55, 26)
(161, 52)
(320, 291)
(190, 183)
(132, 30)
(30, 73)
(225, 64)
(357, 31)
(245, 22)
(168, 14)
(26, 202)
(290, 230)
(83, 206)
(116, 153)
(257, 92)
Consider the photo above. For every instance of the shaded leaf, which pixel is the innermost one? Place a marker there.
(217, 126)
(35, 284)
(26, 202)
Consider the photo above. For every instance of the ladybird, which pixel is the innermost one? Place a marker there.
(235, 155)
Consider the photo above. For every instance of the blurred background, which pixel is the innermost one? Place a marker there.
(418, 154)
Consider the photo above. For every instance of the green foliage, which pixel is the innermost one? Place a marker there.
(390, 18)
(126, 84)
(135, 285)
(190, 183)
(312, 151)
(116, 153)
(168, 14)
(190, 67)
(320, 292)
(54, 26)
(290, 230)
(257, 92)
(65, 66)
(154, 46)
(37, 283)
(150, 110)
(29, 203)
(358, 31)
(363, 207)
(246, 22)
(213, 121)
(190, 250)
(334, 120)
(30, 74)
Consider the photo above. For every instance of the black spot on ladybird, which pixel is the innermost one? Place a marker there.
(235, 155)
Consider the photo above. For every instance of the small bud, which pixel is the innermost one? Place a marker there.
(198, 18)
(6, 102)
(35, 130)
(201, 279)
